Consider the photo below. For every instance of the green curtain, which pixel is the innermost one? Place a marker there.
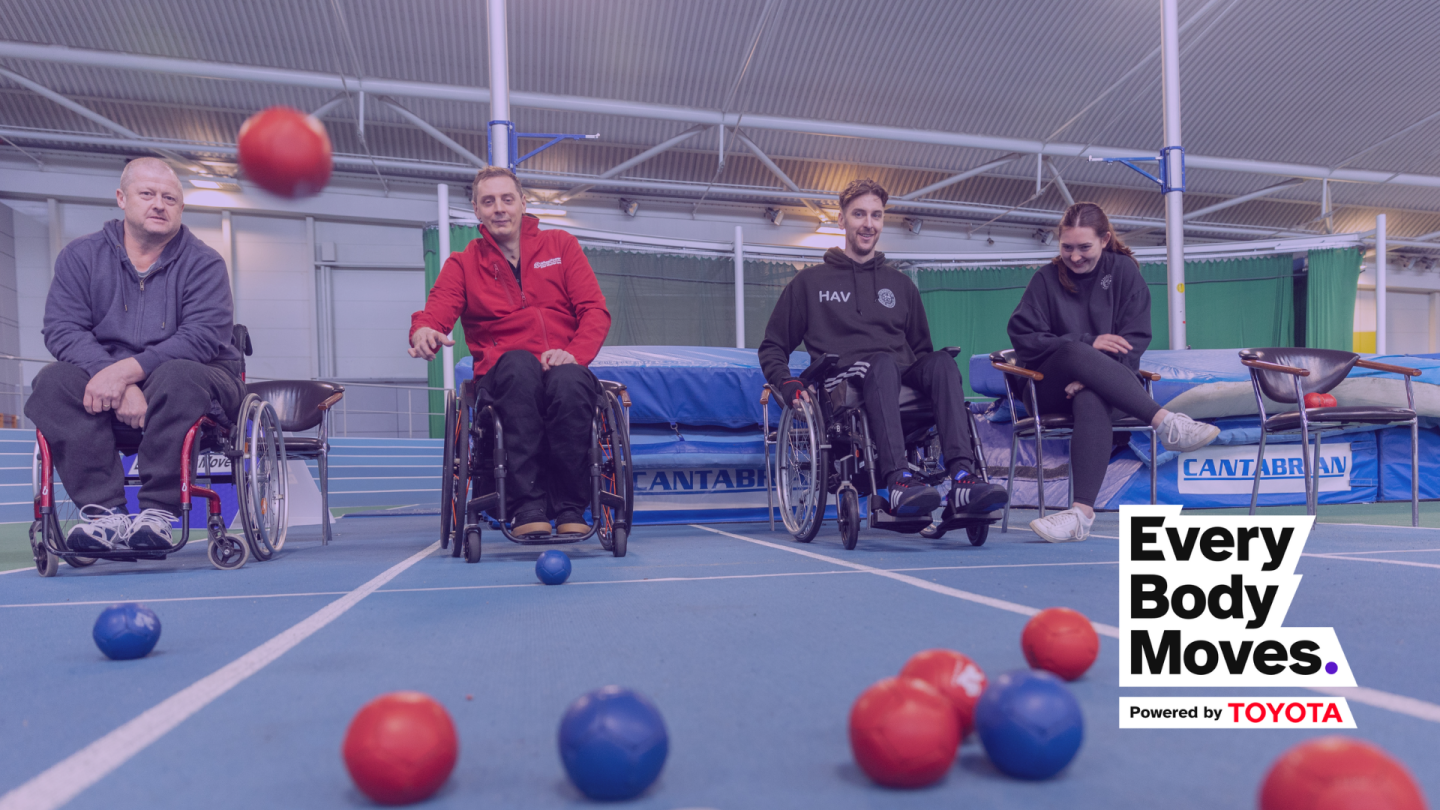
(970, 308)
(1330, 299)
(460, 236)
(1229, 303)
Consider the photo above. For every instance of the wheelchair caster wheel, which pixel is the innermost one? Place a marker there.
(848, 516)
(472, 545)
(228, 552)
(75, 561)
(619, 539)
(45, 562)
(978, 532)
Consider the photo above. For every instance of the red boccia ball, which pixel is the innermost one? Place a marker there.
(1061, 641)
(400, 748)
(1313, 400)
(285, 152)
(1339, 773)
(958, 678)
(903, 733)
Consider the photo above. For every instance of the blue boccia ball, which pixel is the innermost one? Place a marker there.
(613, 743)
(1029, 723)
(127, 631)
(553, 567)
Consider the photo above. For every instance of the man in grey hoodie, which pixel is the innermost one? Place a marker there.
(140, 321)
(858, 307)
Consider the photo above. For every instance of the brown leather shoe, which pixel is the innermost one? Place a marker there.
(530, 529)
(572, 528)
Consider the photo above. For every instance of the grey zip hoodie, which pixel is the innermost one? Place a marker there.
(100, 311)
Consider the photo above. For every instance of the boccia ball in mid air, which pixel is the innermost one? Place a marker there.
(1339, 773)
(1061, 641)
(613, 743)
(126, 631)
(553, 567)
(1030, 724)
(285, 152)
(903, 733)
(958, 678)
(400, 748)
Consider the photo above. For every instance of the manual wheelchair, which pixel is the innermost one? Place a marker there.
(248, 454)
(824, 447)
(474, 437)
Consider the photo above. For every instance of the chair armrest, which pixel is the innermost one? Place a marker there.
(1261, 364)
(331, 400)
(1408, 372)
(1148, 375)
(953, 351)
(765, 395)
(1018, 371)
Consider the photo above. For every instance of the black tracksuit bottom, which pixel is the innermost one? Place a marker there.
(547, 418)
(177, 393)
(934, 375)
(1110, 388)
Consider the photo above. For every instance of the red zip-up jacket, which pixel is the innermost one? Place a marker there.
(558, 306)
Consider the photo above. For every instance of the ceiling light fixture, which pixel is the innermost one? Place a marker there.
(213, 182)
(547, 212)
(775, 215)
(914, 224)
(630, 207)
(830, 228)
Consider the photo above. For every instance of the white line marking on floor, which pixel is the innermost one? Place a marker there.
(536, 584)
(1012, 607)
(13, 571)
(1373, 560)
(68, 778)
(1399, 704)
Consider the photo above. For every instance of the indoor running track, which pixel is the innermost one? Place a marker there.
(753, 647)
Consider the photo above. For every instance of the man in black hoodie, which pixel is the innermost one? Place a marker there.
(870, 314)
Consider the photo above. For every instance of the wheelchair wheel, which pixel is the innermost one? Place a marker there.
(978, 532)
(462, 444)
(45, 562)
(261, 480)
(617, 495)
(848, 513)
(802, 469)
(63, 517)
(447, 473)
(227, 552)
(472, 545)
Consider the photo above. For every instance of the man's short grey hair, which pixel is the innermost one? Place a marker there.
(128, 175)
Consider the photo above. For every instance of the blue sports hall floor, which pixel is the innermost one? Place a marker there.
(752, 646)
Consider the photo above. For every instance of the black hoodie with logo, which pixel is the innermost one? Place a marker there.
(848, 309)
(1111, 299)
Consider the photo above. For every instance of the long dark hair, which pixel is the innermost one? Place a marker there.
(1086, 215)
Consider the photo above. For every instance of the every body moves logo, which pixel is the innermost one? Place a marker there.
(1203, 601)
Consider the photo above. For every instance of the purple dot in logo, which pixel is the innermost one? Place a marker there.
(1331, 668)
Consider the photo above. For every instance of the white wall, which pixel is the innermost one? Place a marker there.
(276, 286)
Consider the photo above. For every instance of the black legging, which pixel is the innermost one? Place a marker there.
(1109, 384)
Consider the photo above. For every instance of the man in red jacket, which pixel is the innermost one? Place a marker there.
(534, 319)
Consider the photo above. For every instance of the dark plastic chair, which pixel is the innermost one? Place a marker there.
(1287, 375)
(303, 405)
(1052, 425)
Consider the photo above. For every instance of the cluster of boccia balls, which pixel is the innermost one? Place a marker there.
(401, 747)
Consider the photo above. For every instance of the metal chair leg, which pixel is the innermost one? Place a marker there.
(1070, 475)
(1010, 482)
(1259, 463)
(1039, 467)
(1305, 464)
(1315, 477)
(1154, 463)
(324, 497)
(1415, 472)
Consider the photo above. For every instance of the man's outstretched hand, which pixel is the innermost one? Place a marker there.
(426, 343)
(551, 358)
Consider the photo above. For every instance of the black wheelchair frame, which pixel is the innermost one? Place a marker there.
(467, 429)
(833, 440)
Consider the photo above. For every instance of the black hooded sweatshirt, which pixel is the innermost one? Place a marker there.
(849, 309)
(1112, 299)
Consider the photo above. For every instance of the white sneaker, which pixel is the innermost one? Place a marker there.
(102, 529)
(1068, 526)
(1182, 434)
(150, 530)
